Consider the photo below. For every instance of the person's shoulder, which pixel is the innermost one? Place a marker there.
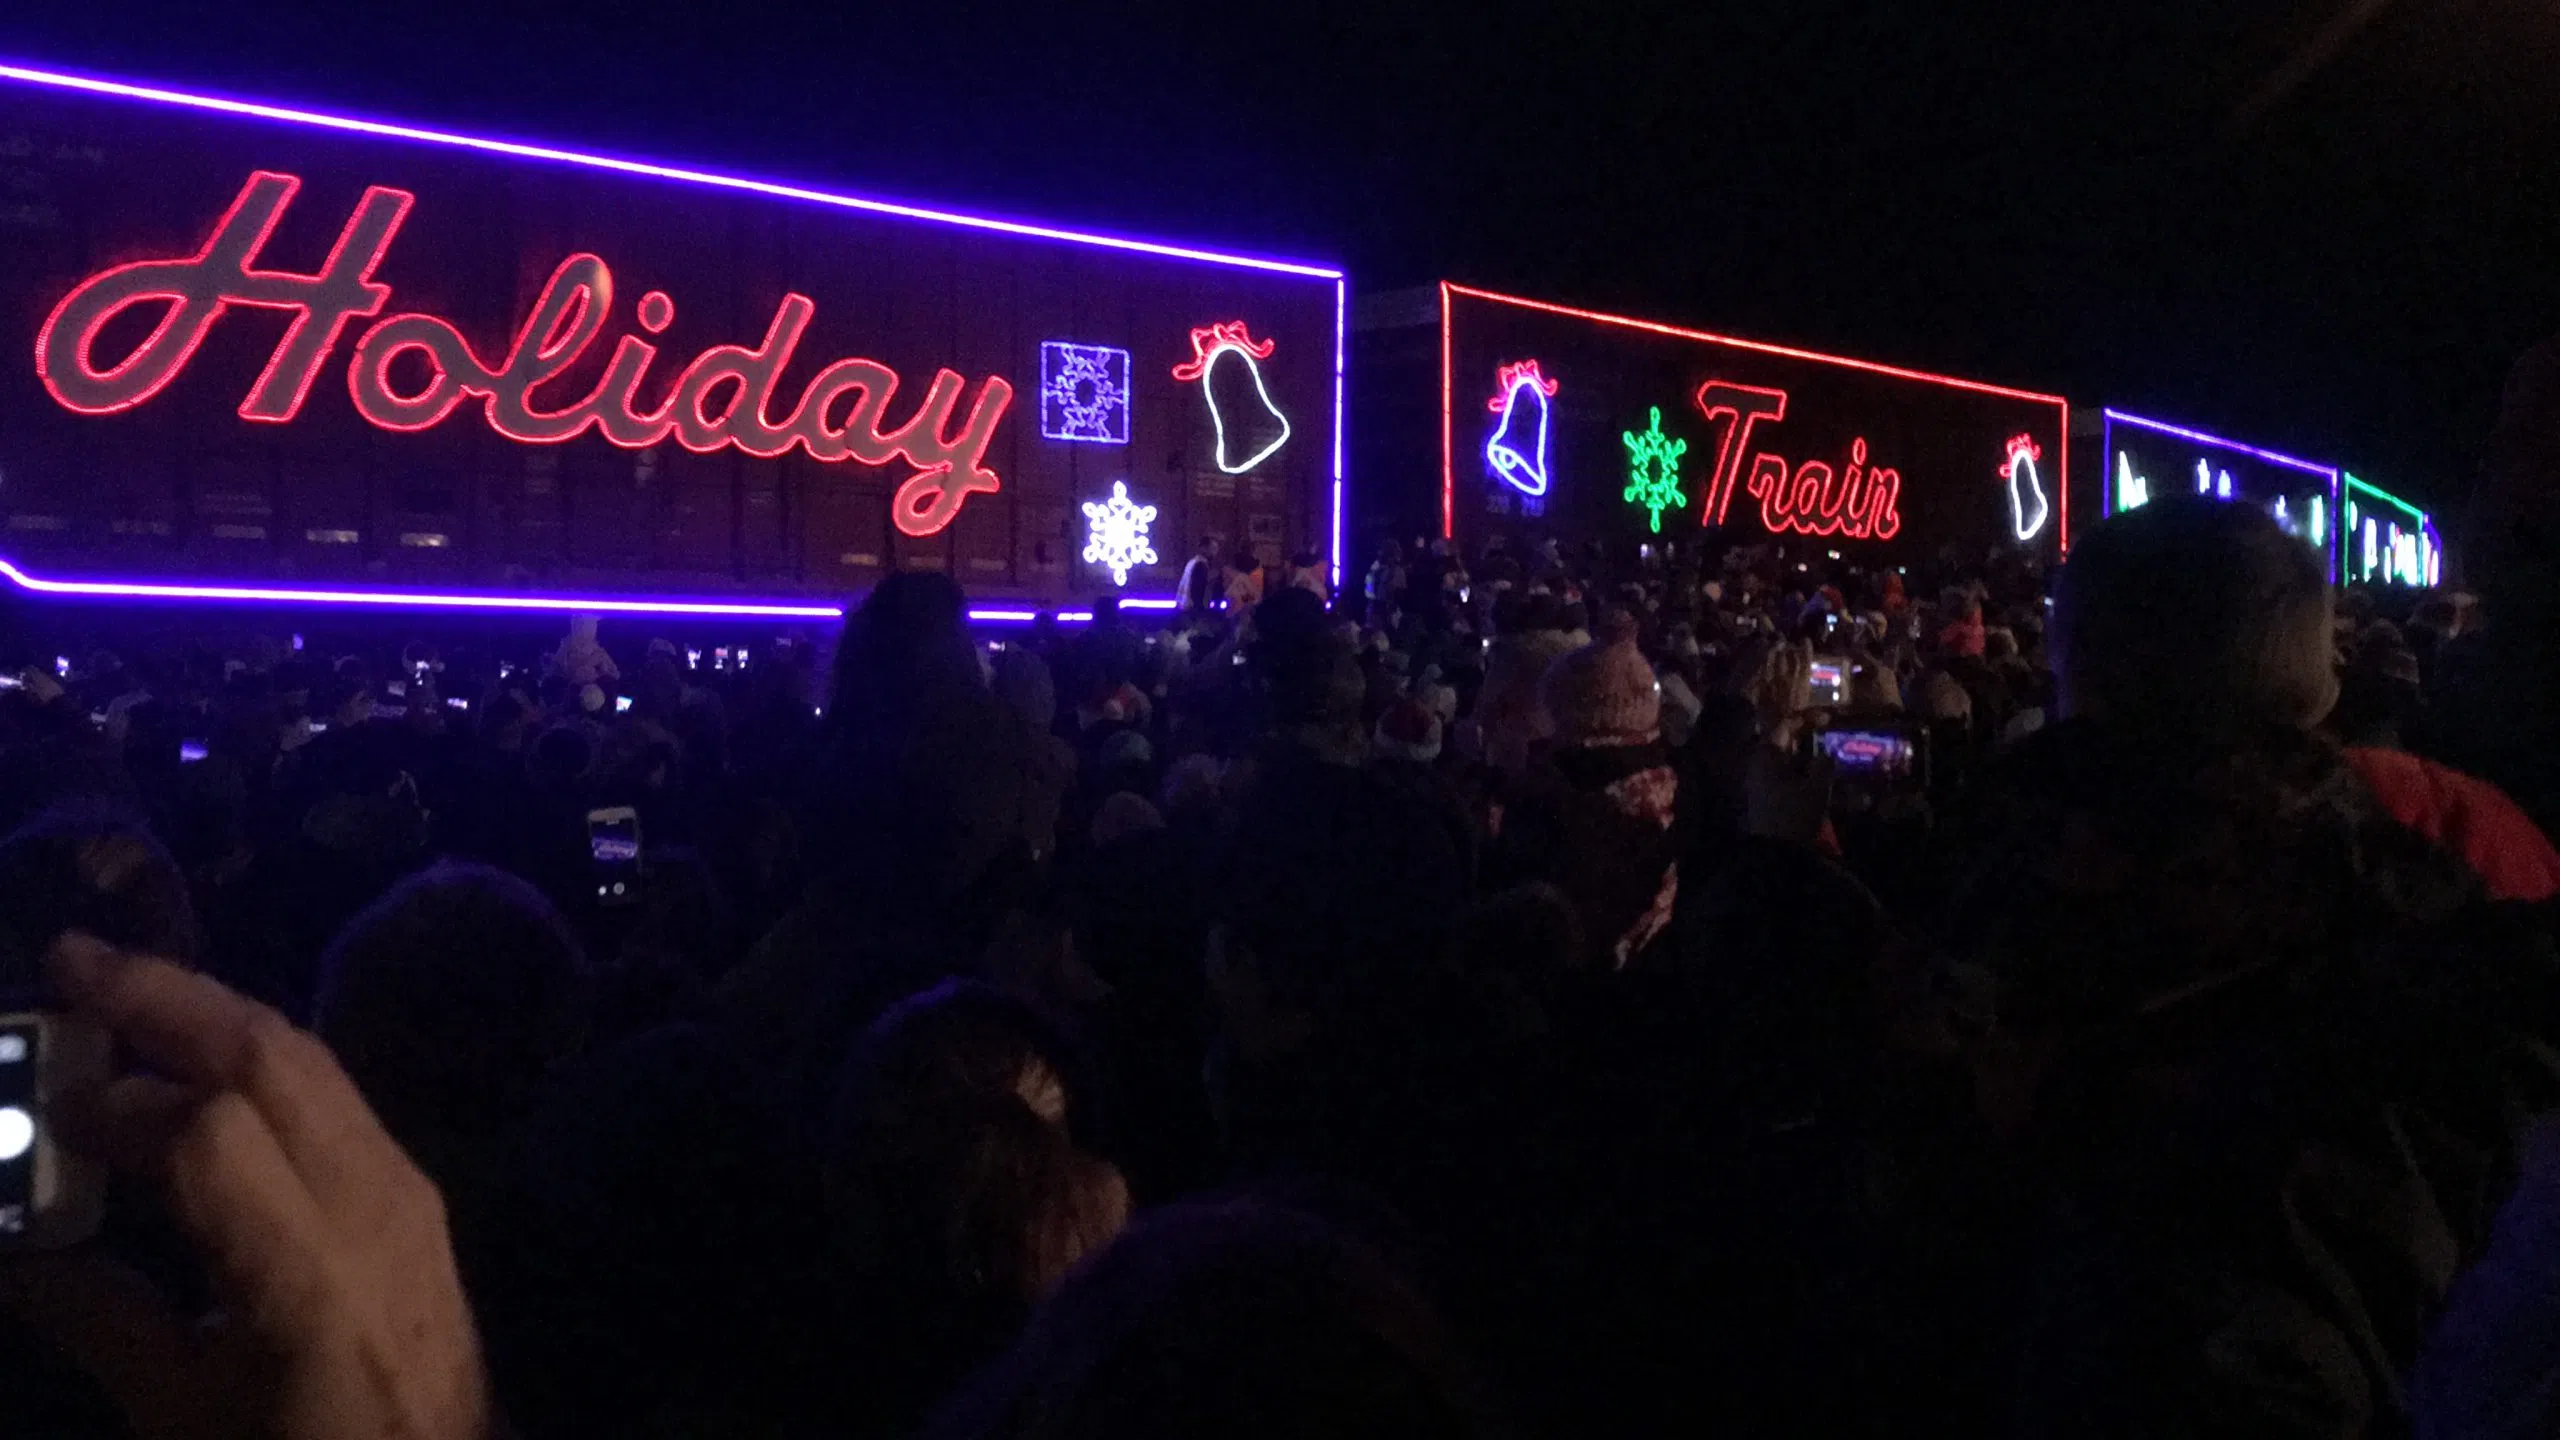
(2465, 814)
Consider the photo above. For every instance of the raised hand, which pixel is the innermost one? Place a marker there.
(342, 1310)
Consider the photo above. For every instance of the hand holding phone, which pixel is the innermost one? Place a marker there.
(49, 1197)
(1827, 682)
(326, 1246)
(613, 843)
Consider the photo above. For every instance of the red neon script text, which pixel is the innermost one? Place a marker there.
(722, 398)
(1855, 500)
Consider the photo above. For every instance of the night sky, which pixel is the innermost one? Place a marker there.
(2324, 225)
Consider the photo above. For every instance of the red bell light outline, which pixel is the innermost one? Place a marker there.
(565, 321)
(2026, 520)
(1451, 291)
(1512, 383)
(1211, 343)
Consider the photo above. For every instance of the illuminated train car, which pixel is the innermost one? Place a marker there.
(2386, 540)
(265, 355)
(2146, 459)
(1541, 419)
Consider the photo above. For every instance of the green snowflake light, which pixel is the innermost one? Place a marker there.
(1653, 469)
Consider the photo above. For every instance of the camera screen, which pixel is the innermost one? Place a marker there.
(1868, 750)
(17, 1125)
(614, 841)
(1829, 681)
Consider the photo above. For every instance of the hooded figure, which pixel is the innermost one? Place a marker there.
(1594, 818)
(581, 659)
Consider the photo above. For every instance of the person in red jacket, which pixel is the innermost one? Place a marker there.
(2224, 970)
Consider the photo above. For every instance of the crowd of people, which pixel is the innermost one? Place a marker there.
(1537, 992)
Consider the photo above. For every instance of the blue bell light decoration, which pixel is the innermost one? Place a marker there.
(1518, 450)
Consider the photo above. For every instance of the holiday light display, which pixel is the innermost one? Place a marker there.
(1231, 342)
(1653, 469)
(1116, 533)
(2028, 507)
(1084, 392)
(1517, 449)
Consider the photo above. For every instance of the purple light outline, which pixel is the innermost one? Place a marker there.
(2335, 554)
(62, 80)
(2217, 441)
(438, 600)
(1341, 311)
(414, 599)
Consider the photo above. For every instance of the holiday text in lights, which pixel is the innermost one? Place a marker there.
(1856, 500)
(721, 399)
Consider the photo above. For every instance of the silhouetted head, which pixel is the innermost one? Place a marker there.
(2194, 616)
(1241, 1320)
(94, 870)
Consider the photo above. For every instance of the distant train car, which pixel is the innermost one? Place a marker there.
(2386, 540)
(2146, 459)
(258, 354)
(1484, 414)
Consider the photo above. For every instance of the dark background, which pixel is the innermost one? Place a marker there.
(2325, 225)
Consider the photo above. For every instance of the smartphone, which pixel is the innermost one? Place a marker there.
(48, 1196)
(456, 702)
(12, 682)
(1878, 752)
(613, 841)
(1828, 682)
(190, 751)
(720, 658)
(621, 703)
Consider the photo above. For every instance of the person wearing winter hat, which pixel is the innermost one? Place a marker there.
(1123, 814)
(1595, 819)
(1407, 732)
(1507, 712)
(581, 658)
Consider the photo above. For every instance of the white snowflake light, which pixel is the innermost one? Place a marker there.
(1115, 533)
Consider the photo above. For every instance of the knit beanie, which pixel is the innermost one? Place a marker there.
(1407, 732)
(1604, 692)
(1126, 747)
(1122, 815)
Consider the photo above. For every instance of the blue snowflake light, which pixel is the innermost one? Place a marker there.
(1084, 392)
